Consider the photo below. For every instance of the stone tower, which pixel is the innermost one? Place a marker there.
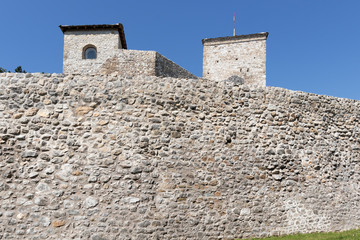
(102, 49)
(241, 57)
(87, 47)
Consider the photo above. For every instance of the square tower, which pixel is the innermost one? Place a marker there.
(87, 47)
(241, 57)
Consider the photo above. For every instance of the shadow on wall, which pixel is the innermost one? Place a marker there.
(236, 80)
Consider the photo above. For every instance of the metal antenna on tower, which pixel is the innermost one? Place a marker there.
(234, 24)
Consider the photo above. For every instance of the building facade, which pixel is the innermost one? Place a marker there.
(88, 47)
(102, 49)
(241, 58)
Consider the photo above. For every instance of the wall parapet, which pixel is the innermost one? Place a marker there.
(110, 157)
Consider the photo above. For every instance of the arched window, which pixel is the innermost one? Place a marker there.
(89, 52)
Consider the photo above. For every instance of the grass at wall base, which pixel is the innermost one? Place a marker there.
(347, 235)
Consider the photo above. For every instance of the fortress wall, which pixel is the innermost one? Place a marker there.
(127, 63)
(104, 157)
(123, 62)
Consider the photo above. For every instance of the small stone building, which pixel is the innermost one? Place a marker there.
(102, 49)
(241, 58)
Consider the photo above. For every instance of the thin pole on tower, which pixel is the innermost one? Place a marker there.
(234, 24)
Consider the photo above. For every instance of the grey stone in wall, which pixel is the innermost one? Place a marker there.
(107, 157)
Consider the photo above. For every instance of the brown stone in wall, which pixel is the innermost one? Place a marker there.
(58, 223)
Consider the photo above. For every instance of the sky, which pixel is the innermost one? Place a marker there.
(313, 45)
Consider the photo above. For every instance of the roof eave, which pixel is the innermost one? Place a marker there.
(118, 26)
(237, 37)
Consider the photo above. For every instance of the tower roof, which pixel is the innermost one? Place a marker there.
(119, 27)
(236, 38)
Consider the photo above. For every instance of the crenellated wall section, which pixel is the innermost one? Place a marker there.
(107, 157)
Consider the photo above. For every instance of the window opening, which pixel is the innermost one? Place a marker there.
(90, 52)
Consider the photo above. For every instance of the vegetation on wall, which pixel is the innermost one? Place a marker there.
(17, 70)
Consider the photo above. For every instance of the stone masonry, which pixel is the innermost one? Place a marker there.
(109, 157)
(112, 54)
(241, 58)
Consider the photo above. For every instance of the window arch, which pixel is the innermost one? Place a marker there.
(89, 52)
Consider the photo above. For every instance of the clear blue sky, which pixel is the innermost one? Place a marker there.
(313, 46)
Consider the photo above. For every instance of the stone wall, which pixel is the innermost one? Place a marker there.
(242, 56)
(128, 63)
(167, 68)
(107, 157)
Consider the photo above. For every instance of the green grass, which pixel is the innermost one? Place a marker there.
(347, 235)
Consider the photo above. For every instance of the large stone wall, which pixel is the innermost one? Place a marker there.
(107, 157)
